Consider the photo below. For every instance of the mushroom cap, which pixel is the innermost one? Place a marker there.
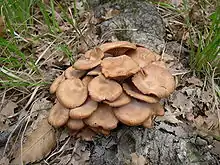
(84, 110)
(86, 80)
(155, 80)
(142, 56)
(58, 115)
(86, 134)
(91, 59)
(86, 64)
(157, 110)
(133, 113)
(56, 83)
(71, 93)
(117, 47)
(100, 130)
(121, 100)
(121, 66)
(132, 91)
(95, 72)
(94, 54)
(101, 89)
(161, 64)
(148, 123)
(75, 124)
(103, 118)
(71, 72)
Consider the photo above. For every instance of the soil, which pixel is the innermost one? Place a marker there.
(174, 139)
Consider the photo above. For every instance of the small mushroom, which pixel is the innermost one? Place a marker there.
(117, 48)
(56, 83)
(86, 134)
(121, 66)
(100, 130)
(84, 110)
(71, 72)
(90, 60)
(103, 118)
(95, 72)
(123, 99)
(58, 115)
(154, 80)
(101, 89)
(86, 80)
(135, 93)
(142, 56)
(75, 124)
(71, 93)
(133, 113)
(157, 110)
(94, 54)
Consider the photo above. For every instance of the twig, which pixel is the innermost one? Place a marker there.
(60, 150)
(28, 120)
(28, 103)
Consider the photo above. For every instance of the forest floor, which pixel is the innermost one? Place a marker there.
(32, 56)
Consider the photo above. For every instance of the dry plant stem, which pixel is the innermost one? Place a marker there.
(60, 150)
(28, 103)
(216, 103)
(3, 98)
(28, 120)
(78, 31)
(15, 141)
(44, 52)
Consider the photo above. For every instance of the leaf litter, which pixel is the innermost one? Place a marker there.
(192, 103)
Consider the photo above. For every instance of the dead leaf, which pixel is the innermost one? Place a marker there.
(195, 81)
(38, 144)
(137, 160)
(3, 125)
(2, 26)
(111, 13)
(41, 104)
(199, 121)
(4, 161)
(169, 117)
(182, 102)
(8, 109)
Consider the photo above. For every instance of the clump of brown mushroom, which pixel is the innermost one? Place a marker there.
(114, 82)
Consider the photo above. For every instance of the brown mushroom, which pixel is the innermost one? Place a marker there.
(100, 131)
(134, 113)
(58, 115)
(154, 80)
(86, 134)
(161, 64)
(135, 93)
(121, 66)
(157, 110)
(101, 89)
(75, 124)
(84, 110)
(121, 100)
(86, 80)
(71, 93)
(94, 54)
(103, 118)
(71, 72)
(142, 56)
(56, 83)
(90, 60)
(95, 72)
(117, 48)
